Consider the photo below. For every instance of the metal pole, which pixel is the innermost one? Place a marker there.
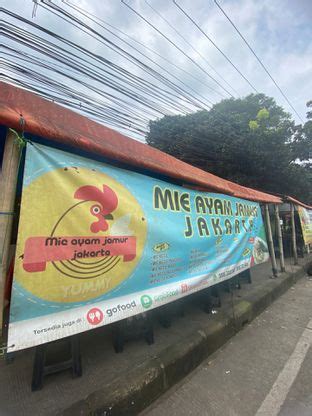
(270, 240)
(280, 238)
(293, 233)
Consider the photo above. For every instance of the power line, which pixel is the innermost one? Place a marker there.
(141, 44)
(39, 40)
(19, 55)
(58, 92)
(176, 46)
(71, 105)
(95, 20)
(258, 59)
(63, 14)
(49, 50)
(66, 64)
(70, 60)
(214, 44)
(69, 43)
(190, 45)
(81, 101)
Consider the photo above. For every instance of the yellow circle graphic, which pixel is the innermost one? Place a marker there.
(69, 202)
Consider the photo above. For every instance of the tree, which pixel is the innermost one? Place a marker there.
(250, 140)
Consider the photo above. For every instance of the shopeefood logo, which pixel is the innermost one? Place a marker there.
(95, 316)
(120, 308)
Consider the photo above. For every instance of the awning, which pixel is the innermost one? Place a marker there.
(60, 125)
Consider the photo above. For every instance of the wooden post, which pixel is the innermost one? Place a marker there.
(280, 238)
(270, 240)
(293, 233)
(8, 180)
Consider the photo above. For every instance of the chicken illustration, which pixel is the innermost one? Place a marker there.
(106, 202)
(95, 232)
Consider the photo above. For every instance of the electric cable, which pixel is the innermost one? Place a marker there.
(176, 46)
(190, 45)
(215, 45)
(258, 59)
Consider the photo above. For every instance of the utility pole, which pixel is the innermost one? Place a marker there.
(280, 238)
(270, 240)
(293, 233)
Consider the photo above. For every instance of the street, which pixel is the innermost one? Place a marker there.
(265, 370)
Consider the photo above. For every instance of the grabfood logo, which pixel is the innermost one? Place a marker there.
(146, 301)
(89, 238)
(120, 308)
(166, 295)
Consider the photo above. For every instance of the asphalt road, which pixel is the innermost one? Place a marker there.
(265, 370)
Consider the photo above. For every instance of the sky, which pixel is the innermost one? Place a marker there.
(280, 32)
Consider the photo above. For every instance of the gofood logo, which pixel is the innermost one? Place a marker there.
(120, 308)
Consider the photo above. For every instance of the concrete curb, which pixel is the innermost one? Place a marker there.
(145, 383)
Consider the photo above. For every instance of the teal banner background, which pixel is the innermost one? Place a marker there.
(190, 236)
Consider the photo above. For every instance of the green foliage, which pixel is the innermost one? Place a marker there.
(302, 142)
(263, 114)
(253, 125)
(309, 112)
(250, 140)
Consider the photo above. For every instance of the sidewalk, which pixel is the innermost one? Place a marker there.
(116, 384)
(265, 370)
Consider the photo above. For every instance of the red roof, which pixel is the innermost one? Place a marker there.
(56, 123)
(296, 202)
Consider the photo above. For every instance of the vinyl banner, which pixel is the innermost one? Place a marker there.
(305, 216)
(97, 244)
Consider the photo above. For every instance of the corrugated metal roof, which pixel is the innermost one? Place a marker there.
(58, 124)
